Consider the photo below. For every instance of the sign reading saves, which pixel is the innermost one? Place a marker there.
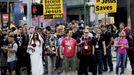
(106, 6)
(53, 9)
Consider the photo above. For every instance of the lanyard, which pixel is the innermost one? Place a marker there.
(85, 41)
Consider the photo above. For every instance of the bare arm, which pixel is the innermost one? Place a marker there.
(61, 48)
(111, 41)
(76, 51)
(93, 49)
(126, 46)
(14, 49)
(104, 47)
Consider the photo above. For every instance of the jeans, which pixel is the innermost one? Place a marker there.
(121, 58)
(51, 64)
(58, 62)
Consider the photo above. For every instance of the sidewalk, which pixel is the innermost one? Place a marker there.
(127, 70)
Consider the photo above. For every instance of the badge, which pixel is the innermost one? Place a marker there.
(97, 46)
(85, 47)
(47, 46)
(69, 47)
(53, 48)
(122, 47)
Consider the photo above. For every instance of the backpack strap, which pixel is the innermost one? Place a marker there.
(12, 45)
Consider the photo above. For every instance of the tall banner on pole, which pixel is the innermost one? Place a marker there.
(106, 6)
(53, 9)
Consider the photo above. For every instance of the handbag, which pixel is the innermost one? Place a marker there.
(50, 53)
(30, 50)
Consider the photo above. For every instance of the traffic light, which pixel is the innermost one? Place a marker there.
(3, 7)
(25, 9)
(36, 9)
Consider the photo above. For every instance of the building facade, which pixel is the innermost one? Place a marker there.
(75, 10)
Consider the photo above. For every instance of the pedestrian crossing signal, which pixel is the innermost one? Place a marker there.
(3, 7)
(37, 9)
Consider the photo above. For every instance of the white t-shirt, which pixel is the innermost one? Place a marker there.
(12, 55)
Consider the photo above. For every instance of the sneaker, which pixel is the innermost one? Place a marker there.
(105, 70)
(111, 70)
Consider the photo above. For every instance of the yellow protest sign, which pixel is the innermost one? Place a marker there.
(106, 6)
(52, 9)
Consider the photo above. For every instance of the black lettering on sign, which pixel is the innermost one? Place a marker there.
(48, 11)
(110, 7)
(103, 8)
(108, 1)
(98, 1)
(45, 1)
(59, 11)
(48, 16)
(98, 8)
(46, 7)
(52, 11)
(57, 15)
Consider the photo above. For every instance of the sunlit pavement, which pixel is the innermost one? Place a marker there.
(127, 70)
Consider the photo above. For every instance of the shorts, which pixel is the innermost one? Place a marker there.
(69, 63)
(11, 65)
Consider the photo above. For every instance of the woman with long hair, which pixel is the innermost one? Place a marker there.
(35, 44)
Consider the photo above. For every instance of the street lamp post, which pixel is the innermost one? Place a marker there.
(87, 5)
(128, 13)
(29, 13)
(86, 12)
(85, 16)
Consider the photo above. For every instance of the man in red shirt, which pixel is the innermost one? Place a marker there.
(69, 49)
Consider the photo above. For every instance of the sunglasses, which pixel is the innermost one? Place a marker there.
(87, 28)
(35, 35)
(122, 36)
(85, 32)
(10, 36)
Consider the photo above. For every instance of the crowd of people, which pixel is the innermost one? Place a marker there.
(71, 50)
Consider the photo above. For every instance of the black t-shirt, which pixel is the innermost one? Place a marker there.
(107, 36)
(77, 35)
(99, 42)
